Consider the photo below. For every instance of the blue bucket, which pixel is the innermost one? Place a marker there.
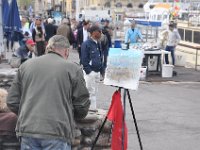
(117, 44)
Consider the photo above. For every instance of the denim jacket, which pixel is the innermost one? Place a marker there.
(91, 56)
(23, 52)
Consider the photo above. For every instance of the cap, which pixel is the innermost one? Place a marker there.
(94, 28)
(30, 42)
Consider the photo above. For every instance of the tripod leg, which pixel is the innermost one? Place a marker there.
(133, 114)
(95, 141)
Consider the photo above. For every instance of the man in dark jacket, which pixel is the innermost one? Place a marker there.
(65, 30)
(50, 29)
(82, 36)
(105, 49)
(91, 59)
(48, 93)
(106, 30)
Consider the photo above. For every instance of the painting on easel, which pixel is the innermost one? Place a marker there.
(123, 68)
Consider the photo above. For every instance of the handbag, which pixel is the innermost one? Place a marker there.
(15, 62)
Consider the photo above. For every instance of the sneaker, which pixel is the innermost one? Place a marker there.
(101, 77)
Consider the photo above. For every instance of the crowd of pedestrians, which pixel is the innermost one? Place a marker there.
(45, 117)
(41, 30)
(49, 92)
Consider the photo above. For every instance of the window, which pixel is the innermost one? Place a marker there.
(196, 37)
(181, 32)
(188, 35)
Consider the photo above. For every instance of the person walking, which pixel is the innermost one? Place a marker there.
(171, 37)
(48, 94)
(50, 29)
(91, 59)
(65, 30)
(107, 31)
(105, 49)
(82, 36)
(133, 34)
(34, 23)
(38, 36)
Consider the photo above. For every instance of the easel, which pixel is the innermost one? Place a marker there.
(126, 92)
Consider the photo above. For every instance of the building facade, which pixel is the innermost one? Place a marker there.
(72, 8)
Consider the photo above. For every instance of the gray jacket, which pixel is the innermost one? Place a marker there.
(48, 93)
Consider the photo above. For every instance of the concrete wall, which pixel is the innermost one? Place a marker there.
(187, 57)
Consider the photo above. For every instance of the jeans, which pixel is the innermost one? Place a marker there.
(40, 46)
(79, 54)
(170, 49)
(28, 143)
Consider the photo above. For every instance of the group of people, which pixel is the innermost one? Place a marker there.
(93, 41)
(49, 93)
(169, 38)
(35, 33)
(38, 32)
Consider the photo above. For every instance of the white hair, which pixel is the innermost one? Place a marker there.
(3, 96)
(50, 20)
(57, 42)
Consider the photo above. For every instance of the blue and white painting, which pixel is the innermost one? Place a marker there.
(123, 68)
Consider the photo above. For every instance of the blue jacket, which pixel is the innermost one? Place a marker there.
(91, 56)
(132, 36)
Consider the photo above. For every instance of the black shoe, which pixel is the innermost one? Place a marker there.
(174, 73)
(102, 76)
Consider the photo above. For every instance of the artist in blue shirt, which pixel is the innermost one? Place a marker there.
(133, 34)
